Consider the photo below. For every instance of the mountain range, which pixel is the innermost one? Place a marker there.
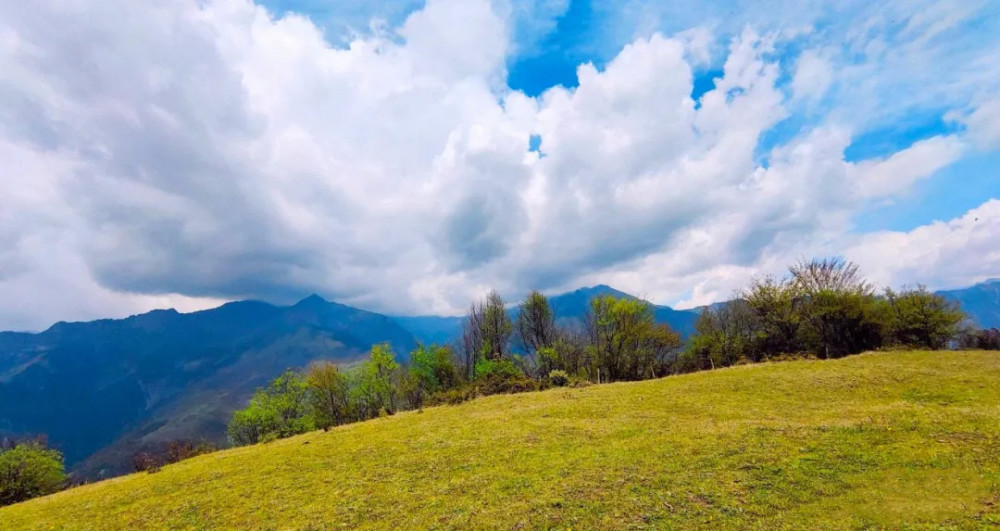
(981, 302)
(102, 390)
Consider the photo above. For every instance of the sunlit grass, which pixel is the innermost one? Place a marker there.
(891, 440)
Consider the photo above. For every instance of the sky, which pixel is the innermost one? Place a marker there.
(406, 156)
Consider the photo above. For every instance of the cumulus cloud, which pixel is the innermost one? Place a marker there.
(211, 150)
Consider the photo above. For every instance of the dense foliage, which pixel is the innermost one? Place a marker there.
(29, 469)
(824, 308)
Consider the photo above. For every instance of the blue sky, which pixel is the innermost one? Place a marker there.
(407, 155)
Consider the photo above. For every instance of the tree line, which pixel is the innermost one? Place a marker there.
(821, 308)
(824, 308)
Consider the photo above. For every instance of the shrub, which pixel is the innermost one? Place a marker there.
(145, 462)
(558, 378)
(487, 369)
(180, 450)
(29, 470)
(452, 396)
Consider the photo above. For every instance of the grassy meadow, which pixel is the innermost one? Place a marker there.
(888, 440)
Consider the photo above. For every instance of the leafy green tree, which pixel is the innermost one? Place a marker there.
(29, 470)
(376, 391)
(431, 371)
(434, 368)
(276, 411)
(535, 327)
(838, 323)
(776, 317)
(329, 394)
(919, 318)
(626, 341)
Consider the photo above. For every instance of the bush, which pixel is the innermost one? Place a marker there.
(452, 396)
(496, 385)
(146, 462)
(180, 450)
(558, 378)
(487, 369)
(29, 470)
(988, 339)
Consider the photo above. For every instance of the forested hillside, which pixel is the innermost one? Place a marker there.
(116, 386)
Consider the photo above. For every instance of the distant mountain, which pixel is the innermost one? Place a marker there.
(567, 307)
(101, 390)
(981, 302)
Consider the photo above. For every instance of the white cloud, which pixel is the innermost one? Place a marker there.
(813, 76)
(208, 151)
(984, 124)
(953, 253)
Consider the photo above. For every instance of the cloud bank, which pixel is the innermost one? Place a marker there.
(187, 152)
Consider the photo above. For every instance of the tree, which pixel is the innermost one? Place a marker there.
(486, 332)
(626, 341)
(568, 352)
(775, 307)
(535, 328)
(919, 318)
(723, 336)
(838, 307)
(29, 470)
(841, 323)
(431, 370)
(496, 327)
(276, 411)
(828, 274)
(376, 391)
(329, 394)
(472, 339)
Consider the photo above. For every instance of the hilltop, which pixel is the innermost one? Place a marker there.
(876, 440)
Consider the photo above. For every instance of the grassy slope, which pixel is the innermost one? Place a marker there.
(874, 440)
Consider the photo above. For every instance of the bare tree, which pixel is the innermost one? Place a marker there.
(486, 332)
(829, 274)
(472, 338)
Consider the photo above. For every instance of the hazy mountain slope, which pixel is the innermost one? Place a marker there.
(882, 441)
(981, 302)
(163, 375)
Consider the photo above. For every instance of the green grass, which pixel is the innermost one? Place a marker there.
(892, 440)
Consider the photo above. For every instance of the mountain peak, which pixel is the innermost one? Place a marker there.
(602, 289)
(312, 300)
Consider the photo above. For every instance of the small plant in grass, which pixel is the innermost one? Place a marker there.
(558, 378)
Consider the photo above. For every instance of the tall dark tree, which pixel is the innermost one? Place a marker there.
(496, 327)
(536, 327)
